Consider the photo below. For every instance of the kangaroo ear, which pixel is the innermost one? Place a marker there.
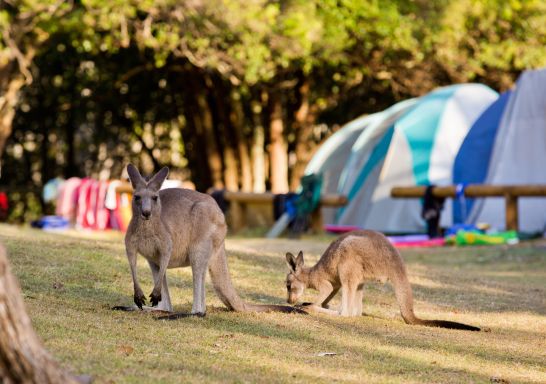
(291, 260)
(136, 179)
(157, 180)
(299, 260)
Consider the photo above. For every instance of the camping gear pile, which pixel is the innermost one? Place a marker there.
(86, 203)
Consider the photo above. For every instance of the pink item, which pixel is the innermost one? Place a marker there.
(103, 214)
(68, 197)
(83, 203)
(91, 212)
(423, 243)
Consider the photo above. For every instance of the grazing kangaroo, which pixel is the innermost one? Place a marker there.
(349, 261)
(175, 228)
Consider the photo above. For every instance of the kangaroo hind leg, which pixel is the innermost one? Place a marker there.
(357, 304)
(199, 259)
(348, 294)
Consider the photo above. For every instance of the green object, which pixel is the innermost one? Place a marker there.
(309, 197)
(307, 201)
(479, 238)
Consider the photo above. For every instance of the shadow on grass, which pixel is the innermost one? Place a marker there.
(458, 342)
(377, 361)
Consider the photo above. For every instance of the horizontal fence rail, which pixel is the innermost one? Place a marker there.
(510, 193)
(240, 200)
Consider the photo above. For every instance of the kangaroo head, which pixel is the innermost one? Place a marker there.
(295, 280)
(146, 202)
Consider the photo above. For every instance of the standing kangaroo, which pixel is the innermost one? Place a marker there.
(175, 228)
(349, 261)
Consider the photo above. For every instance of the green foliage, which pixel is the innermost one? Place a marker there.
(124, 76)
(493, 35)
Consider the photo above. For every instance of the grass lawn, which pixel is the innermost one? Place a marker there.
(71, 280)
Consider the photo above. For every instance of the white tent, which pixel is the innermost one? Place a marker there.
(519, 154)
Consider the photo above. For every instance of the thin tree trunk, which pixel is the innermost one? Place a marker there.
(278, 152)
(14, 75)
(237, 122)
(231, 177)
(219, 103)
(44, 155)
(23, 359)
(195, 149)
(257, 151)
(71, 168)
(305, 146)
(192, 139)
(213, 154)
(8, 101)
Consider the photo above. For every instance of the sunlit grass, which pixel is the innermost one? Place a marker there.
(70, 281)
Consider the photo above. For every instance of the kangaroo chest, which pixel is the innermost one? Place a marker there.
(150, 247)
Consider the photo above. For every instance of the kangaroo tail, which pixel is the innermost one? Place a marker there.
(404, 296)
(221, 280)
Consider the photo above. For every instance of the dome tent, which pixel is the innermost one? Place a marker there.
(345, 151)
(519, 154)
(330, 158)
(412, 143)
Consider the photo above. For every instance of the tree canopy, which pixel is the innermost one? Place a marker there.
(231, 93)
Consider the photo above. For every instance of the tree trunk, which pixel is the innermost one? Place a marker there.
(23, 359)
(71, 165)
(257, 152)
(192, 139)
(305, 146)
(44, 159)
(213, 154)
(278, 152)
(221, 111)
(8, 100)
(237, 122)
(231, 177)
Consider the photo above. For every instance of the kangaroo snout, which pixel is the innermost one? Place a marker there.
(146, 215)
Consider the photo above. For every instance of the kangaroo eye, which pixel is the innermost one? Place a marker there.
(154, 198)
(137, 198)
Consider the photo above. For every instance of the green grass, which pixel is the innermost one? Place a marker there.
(70, 281)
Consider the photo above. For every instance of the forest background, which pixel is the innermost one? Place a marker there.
(229, 93)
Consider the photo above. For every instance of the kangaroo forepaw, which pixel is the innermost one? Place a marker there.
(140, 299)
(155, 298)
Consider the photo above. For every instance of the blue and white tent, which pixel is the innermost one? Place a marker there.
(519, 154)
(412, 143)
(474, 157)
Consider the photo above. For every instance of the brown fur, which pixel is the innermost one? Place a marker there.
(346, 264)
(175, 228)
